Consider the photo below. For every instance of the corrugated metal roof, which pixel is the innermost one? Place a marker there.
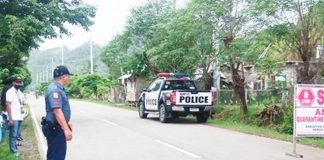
(126, 76)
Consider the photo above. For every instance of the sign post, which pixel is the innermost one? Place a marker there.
(308, 113)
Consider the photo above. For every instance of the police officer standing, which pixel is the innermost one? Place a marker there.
(56, 125)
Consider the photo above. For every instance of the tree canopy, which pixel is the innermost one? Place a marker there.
(23, 25)
(209, 33)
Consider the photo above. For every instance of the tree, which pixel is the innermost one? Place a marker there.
(304, 21)
(231, 22)
(128, 52)
(23, 24)
(115, 54)
(184, 45)
(268, 45)
(142, 25)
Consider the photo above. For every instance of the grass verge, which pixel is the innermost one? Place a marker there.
(264, 132)
(29, 150)
(229, 117)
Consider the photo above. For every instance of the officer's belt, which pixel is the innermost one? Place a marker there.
(46, 122)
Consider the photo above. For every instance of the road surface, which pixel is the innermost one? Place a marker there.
(103, 132)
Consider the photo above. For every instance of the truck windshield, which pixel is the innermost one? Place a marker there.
(179, 84)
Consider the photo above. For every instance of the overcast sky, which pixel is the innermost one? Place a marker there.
(110, 20)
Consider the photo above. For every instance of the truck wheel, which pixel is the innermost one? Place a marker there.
(163, 114)
(141, 110)
(202, 117)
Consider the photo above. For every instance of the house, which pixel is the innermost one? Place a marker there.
(132, 87)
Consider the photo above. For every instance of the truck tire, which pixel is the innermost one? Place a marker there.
(202, 117)
(163, 114)
(141, 110)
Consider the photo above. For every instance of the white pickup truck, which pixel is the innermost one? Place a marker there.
(175, 95)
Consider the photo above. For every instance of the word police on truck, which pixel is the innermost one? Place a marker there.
(175, 95)
(192, 99)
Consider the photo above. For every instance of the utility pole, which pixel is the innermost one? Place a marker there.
(52, 64)
(44, 76)
(174, 4)
(46, 73)
(37, 79)
(40, 77)
(91, 58)
(217, 74)
(62, 52)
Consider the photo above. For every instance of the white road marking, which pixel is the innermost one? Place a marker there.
(38, 131)
(178, 149)
(109, 122)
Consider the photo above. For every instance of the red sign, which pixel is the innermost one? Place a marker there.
(306, 97)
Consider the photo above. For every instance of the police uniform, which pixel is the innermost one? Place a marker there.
(56, 97)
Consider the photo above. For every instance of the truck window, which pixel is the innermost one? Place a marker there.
(179, 84)
(157, 86)
(152, 86)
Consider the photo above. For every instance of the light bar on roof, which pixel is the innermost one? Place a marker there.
(176, 75)
(180, 75)
(164, 75)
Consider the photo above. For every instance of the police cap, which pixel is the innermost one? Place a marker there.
(60, 71)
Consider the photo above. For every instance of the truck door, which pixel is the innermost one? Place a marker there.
(152, 95)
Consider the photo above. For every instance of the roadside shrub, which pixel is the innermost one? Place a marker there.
(269, 116)
(42, 87)
(73, 88)
(85, 92)
(288, 122)
(89, 86)
(227, 112)
(274, 116)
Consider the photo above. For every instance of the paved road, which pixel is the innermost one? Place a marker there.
(108, 133)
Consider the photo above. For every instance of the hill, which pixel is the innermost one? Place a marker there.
(42, 62)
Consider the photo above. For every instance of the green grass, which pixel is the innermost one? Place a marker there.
(4, 151)
(264, 132)
(229, 117)
(29, 150)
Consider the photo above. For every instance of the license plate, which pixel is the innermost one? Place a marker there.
(194, 109)
(177, 108)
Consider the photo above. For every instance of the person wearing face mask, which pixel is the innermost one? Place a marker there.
(14, 107)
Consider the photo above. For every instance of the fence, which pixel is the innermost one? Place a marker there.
(228, 97)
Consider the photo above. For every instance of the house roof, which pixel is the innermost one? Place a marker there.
(249, 77)
(126, 76)
(199, 75)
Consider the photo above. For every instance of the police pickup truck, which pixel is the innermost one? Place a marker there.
(173, 95)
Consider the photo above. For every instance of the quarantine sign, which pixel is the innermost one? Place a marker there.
(309, 110)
